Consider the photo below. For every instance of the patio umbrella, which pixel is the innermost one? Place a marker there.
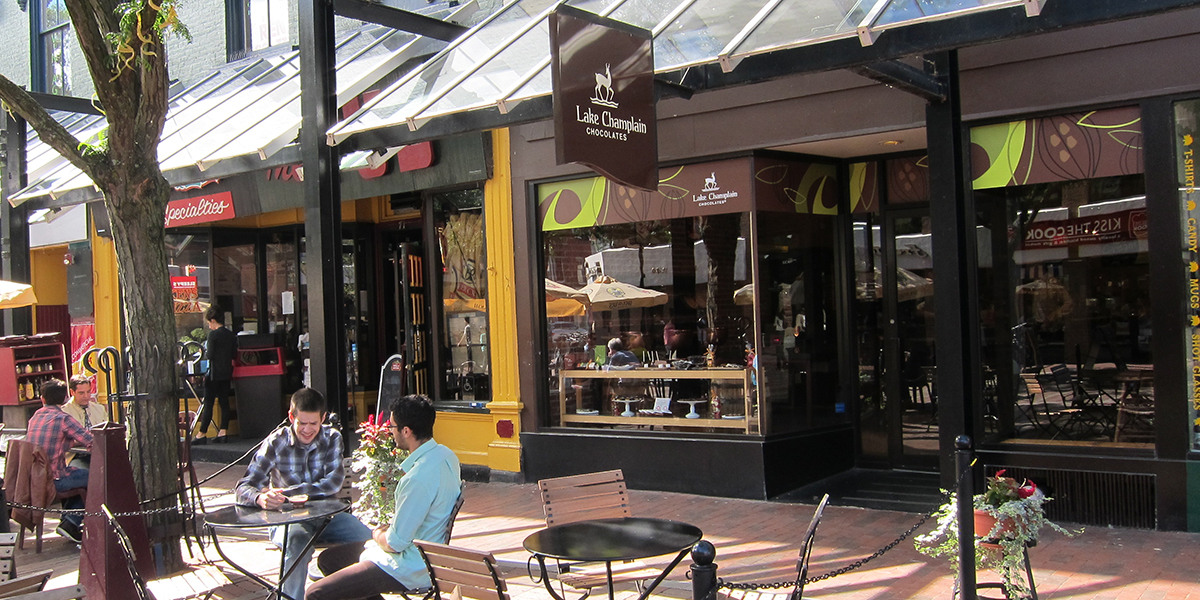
(744, 295)
(909, 286)
(606, 293)
(16, 295)
(555, 289)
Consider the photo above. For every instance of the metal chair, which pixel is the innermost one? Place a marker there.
(200, 583)
(802, 559)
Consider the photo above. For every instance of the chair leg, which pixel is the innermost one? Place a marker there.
(21, 537)
(37, 544)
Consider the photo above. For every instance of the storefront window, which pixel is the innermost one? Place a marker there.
(1065, 278)
(464, 352)
(798, 357)
(187, 264)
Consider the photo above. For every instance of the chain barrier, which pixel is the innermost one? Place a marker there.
(775, 585)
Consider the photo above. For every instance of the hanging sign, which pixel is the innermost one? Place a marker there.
(200, 209)
(603, 81)
(186, 293)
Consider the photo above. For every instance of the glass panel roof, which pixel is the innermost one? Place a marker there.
(249, 107)
(899, 11)
(505, 58)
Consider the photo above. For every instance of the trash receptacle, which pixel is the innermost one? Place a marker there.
(258, 386)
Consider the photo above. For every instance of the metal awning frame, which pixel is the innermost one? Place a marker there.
(929, 35)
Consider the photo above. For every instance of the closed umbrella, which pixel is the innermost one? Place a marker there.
(16, 295)
(606, 293)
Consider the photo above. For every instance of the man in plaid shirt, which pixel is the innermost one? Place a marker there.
(304, 459)
(55, 432)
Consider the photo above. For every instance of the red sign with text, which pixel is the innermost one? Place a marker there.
(1112, 227)
(201, 209)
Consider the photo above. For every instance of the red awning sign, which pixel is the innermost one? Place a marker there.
(200, 209)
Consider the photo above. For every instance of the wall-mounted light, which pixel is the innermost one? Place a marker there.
(891, 142)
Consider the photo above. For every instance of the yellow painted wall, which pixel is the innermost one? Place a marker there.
(48, 275)
(469, 435)
(105, 297)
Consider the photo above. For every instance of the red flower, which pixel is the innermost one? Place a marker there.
(1027, 490)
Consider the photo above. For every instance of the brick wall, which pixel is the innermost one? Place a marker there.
(14, 52)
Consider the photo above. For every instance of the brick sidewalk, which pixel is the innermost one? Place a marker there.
(757, 541)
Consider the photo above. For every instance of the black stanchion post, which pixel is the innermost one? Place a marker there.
(963, 457)
(704, 571)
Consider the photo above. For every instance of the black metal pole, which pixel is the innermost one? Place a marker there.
(14, 245)
(322, 207)
(963, 457)
(704, 571)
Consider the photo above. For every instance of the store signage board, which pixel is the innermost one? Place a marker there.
(1187, 145)
(200, 209)
(186, 294)
(603, 82)
(391, 386)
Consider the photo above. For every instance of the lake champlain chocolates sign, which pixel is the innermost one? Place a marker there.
(603, 75)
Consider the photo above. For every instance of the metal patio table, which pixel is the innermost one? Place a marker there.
(609, 540)
(251, 517)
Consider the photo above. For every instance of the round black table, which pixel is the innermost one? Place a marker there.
(610, 540)
(249, 517)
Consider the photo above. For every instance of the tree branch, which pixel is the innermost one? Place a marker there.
(92, 20)
(51, 132)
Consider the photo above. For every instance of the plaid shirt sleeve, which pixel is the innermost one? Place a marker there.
(258, 474)
(74, 431)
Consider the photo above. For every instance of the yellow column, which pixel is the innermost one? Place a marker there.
(504, 453)
(106, 296)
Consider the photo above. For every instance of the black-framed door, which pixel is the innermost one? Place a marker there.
(897, 418)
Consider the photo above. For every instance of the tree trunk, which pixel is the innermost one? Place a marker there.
(136, 208)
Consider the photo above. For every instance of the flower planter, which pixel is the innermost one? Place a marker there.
(984, 522)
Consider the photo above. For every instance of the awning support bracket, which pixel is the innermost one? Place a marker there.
(904, 77)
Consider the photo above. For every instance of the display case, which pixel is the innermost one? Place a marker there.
(747, 421)
(24, 367)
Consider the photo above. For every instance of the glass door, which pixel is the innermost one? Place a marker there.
(910, 352)
(897, 392)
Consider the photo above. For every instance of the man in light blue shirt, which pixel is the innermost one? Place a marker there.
(425, 498)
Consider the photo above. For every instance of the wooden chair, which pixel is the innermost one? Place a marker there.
(1135, 411)
(8, 564)
(460, 572)
(200, 583)
(26, 466)
(806, 549)
(29, 584)
(589, 496)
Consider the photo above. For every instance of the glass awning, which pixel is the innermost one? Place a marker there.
(248, 108)
(505, 59)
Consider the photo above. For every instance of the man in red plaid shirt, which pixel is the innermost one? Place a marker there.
(52, 429)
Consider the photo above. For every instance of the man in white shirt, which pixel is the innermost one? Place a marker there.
(82, 409)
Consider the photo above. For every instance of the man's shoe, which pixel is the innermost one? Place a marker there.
(70, 531)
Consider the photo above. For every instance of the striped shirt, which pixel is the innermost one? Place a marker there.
(55, 431)
(283, 462)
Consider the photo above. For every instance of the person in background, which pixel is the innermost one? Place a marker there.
(618, 356)
(82, 409)
(425, 498)
(54, 431)
(219, 348)
(304, 458)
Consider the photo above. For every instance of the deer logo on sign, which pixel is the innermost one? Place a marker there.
(604, 92)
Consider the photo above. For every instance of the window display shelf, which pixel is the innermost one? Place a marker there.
(43, 361)
(749, 423)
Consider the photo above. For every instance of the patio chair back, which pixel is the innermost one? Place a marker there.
(34, 582)
(601, 495)
(807, 548)
(473, 574)
(458, 504)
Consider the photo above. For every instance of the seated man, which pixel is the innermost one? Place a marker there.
(425, 497)
(618, 356)
(305, 458)
(55, 432)
(86, 412)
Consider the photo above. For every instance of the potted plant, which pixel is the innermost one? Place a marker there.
(376, 462)
(1008, 517)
